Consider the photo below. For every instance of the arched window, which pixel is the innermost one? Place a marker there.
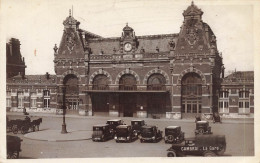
(127, 82)
(71, 92)
(71, 83)
(100, 82)
(156, 82)
(191, 92)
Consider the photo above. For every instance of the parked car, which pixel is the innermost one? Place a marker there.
(101, 133)
(202, 127)
(173, 134)
(216, 117)
(137, 125)
(201, 145)
(150, 133)
(125, 133)
(13, 146)
(113, 123)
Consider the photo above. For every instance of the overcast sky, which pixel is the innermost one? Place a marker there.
(38, 25)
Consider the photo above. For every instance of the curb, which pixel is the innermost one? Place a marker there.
(229, 121)
(52, 140)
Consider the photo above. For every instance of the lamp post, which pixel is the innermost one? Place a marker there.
(63, 129)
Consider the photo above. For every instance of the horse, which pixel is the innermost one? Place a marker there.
(37, 123)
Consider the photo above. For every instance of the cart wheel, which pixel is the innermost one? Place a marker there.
(12, 155)
(24, 130)
(15, 129)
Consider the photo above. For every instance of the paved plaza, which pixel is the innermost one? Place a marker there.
(50, 143)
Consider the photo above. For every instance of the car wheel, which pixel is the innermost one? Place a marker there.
(171, 154)
(209, 154)
(200, 131)
(13, 155)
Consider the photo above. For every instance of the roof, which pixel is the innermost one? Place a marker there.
(172, 127)
(122, 126)
(114, 120)
(148, 126)
(239, 77)
(139, 120)
(202, 121)
(32, 79)
(148, 43)
(101, 125)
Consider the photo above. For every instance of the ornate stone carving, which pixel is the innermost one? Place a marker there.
(70, 38)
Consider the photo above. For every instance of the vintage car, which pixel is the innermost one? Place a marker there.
(216, 118)
(13, 146)
(101, 133)
(201, 145)
(113, 123)
(173, 134)
(202, 127)
(150, 133)
(137, 125)
(124, 133)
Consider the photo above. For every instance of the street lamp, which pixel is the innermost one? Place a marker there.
(63, 129)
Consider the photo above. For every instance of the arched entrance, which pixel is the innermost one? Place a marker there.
(100, 103)
(156, 101)
(191, 93)
(71, 94)
(127, 100)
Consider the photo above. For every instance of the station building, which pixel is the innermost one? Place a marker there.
(171, 75)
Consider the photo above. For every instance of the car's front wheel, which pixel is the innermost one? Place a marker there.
(171, 154)
(209, 154)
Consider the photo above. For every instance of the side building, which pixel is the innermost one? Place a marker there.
(236, 96)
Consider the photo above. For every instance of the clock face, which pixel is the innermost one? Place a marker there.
(128, 47)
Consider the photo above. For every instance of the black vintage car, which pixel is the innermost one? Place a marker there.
(173, 134)
(13, 147)
(113, 123)
(124, 133)
(101, 133)
(201, 145)
(202, 127)
(137, 125)
(150, 133)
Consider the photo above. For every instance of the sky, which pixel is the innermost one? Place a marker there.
(38, 25)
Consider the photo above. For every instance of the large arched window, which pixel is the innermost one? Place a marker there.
(127, 82)
(71, 92)
(100, 82)
(156, 82)
(191, 92)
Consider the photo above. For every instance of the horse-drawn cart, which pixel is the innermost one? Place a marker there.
(23, 125)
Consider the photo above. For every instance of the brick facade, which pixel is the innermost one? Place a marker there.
(170, 75)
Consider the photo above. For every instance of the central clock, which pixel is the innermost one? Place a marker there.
(128, 47)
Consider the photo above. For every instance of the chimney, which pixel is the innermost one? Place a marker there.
(47, 75)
